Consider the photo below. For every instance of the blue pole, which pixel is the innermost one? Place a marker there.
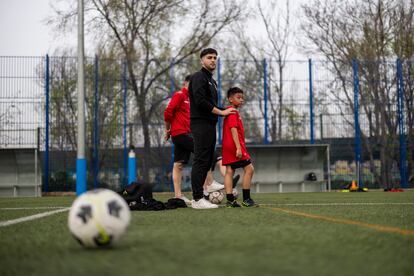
(266, 139)
(124, 88)
(220, 120)
(311, 115)
(172, 90)
(356, 122)
(46, 161)
(403, 149)
(95, 126)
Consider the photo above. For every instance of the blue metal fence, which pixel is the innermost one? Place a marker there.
(291, 101)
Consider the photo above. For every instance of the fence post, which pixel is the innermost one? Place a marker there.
(311, 119)
(95, 124)
(401, 124)
(355, 67)
(37, 190)
(124, 89)
(172, 90)
(265, 139)
(321, 125)
(46, 160)
(219, 91)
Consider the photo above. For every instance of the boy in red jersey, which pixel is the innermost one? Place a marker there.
(234, 152)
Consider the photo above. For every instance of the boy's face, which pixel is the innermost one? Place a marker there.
(236, 100)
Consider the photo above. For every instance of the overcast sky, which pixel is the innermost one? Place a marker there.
(21, 27)
(24, 32)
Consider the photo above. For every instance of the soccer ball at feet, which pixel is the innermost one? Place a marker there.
(216, 197)
(98, 218)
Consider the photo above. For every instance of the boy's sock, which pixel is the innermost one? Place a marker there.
(230, 197)
(246, 194)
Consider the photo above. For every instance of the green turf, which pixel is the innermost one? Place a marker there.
(255, 241)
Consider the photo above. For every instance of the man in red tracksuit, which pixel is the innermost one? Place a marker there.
(177, 126)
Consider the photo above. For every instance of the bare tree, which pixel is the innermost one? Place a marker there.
(143, 33)
(63, 111)
(403, 24)
(346, 30)
(278, 35)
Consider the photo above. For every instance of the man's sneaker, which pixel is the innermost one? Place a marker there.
(249, 203)
(235, 180)
(232, 204)
(202, 204)
(186, 200)
(214, 186)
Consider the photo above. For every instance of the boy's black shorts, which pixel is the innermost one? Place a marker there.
(240, 164)
(183, 147)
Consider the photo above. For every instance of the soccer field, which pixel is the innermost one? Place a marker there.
(289, 234)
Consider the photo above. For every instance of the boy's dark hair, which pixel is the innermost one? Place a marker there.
(233, 90)
(187, 78)
(208, 51)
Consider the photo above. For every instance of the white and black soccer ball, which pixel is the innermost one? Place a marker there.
(98, 218)
(216, 197)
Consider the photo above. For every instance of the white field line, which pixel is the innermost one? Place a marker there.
(338, 204)
(33, 217)
(33, 208)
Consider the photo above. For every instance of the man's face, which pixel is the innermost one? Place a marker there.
(209, 61)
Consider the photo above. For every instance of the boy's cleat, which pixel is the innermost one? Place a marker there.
(232, 204)
(235, 180)
(249, 203)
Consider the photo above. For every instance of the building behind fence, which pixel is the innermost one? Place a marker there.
(363, 109)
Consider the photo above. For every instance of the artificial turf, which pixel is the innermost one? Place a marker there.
(245, 241)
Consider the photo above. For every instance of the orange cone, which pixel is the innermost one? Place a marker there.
(354, 186)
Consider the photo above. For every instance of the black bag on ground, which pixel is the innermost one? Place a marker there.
(137, 191)
(174, 203)
(138, 195)
(147, 205)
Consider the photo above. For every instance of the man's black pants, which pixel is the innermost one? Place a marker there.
(204, 134)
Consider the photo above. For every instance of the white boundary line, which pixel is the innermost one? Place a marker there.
(32, 208)
(338, 204)
(29, 218)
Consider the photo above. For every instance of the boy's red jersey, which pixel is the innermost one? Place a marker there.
(178, 113)
(228, 145)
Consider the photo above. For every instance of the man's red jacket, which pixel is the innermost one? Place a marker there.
(177, 113)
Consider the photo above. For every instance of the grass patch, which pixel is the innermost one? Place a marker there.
(243, 241)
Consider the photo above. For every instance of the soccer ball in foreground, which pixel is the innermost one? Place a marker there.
(216, 197)
(98, 218)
